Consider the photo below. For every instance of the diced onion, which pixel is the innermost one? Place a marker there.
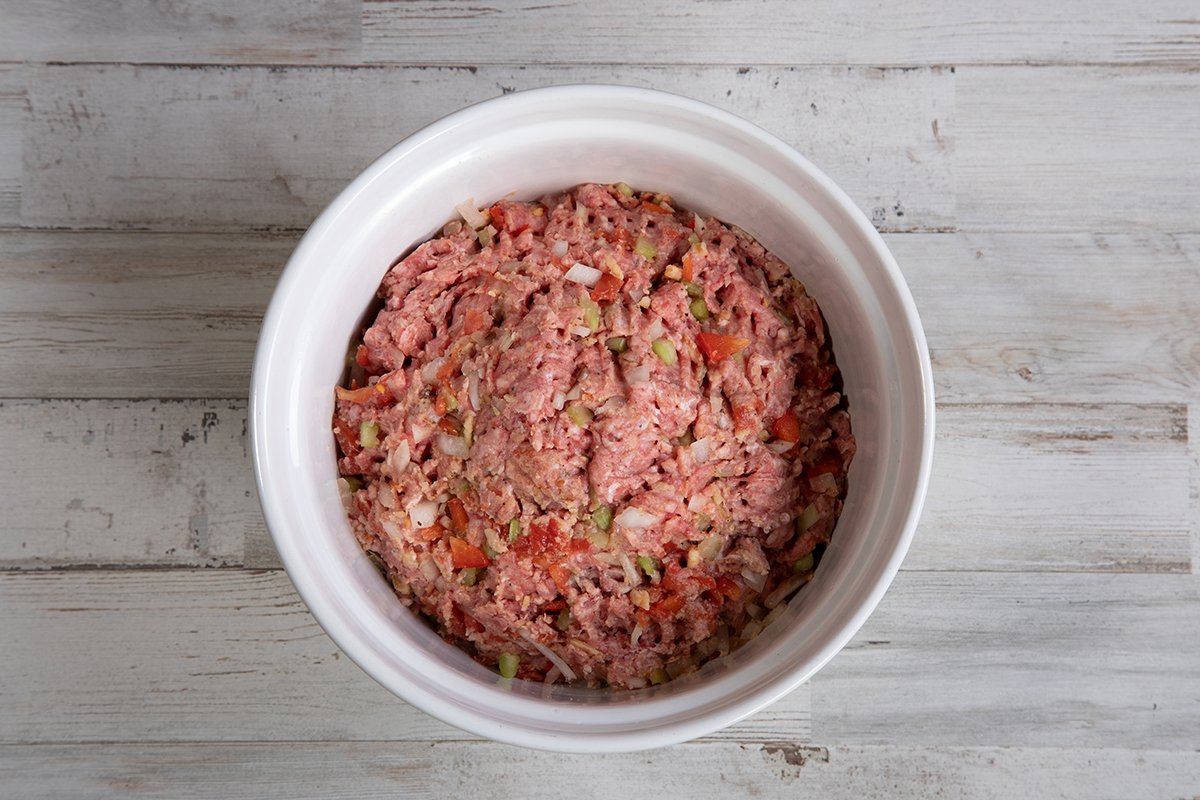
(453, 445)
(655, 329)
(639, 374)
(633, 517)
(635, 635)
(559, 248)
(423, 514)
(551, 656)
(420, 432)
(632, 576)
(710, 548)
(399, 458)
(559, 400)
(429, 370)
(754, 580)
(823, 484)
(582, 273)
(581, 330)
(779, 448)
(696, 503)
(473, 391)
(345, 492)
(470, 213)
(701, 449)
(391, 529)
(429, 569)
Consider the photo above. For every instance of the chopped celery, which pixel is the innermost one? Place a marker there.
(353, 483)
(659, 675)
(699, 309)
(591, 313)
(508, 663)
(488, 551)
(468, 576)
(618, 344)
(665, 350)
(603, 517)
(368, 434)
(693, 289)
(808, 517)
(645, 249)
(803, 564)
(514, 529)
(485, 235)
(624, 189)
(580, 415)
(649, 565)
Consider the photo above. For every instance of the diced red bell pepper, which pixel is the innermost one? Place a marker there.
(458, 514)
(668, 607)
(466, 555)
(561, 576)
(786, 428)
(607, 289)
(717, 346)
(688, 267)
(728, 587)
(654, 208)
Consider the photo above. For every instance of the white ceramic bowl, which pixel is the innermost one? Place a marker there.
(524, 145)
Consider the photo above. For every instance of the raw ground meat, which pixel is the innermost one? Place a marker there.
(613, 480)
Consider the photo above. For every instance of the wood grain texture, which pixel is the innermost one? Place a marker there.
(1032, 488)
(1020, 660)
(121, 315)
(214, 655)
(1009, 317)
(987, 659)
(779, 32)
(1050, 318)
(1077, 149)
(703, 771)
(218, 148)
(87, 482)
(13, 112)
(180, 30)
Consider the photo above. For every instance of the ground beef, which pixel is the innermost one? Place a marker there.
(609, 481)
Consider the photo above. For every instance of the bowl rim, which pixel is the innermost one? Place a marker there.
(663, 731)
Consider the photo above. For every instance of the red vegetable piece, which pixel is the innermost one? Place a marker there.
(465, 555)
(654, 208)
(728, 587)
(828, 464)
(668, 607)
(543, 537)
(561, 576)
(717, 346)
(607, 289)
(458, 514)
(786, 428)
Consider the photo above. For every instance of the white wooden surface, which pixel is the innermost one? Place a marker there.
(1036, 170)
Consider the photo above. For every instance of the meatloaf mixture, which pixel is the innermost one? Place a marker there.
(595, 438)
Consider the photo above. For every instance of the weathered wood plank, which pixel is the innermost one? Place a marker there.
(169, 483)
(104, 482)
(1009, 317)
(484, 769)
(986, 659)
(1078, 488)
(12, 115)
(1020, 660)
(180, 31)
(779, 32)
(224, 147)
(1077, 149)
(133, 315)
(221, 655)
(1048, 318)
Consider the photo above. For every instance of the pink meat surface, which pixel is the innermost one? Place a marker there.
(596, 476)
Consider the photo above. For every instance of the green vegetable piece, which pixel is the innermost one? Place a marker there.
(485, 235)
(353, 483)
(644, 248)
(803, 564)
(699, 309)
(368, 434)
(488, 551)
(508, 663)
(514, 529)
(468, 576)
(618, 344)
(624, 189)
(591, 313)
(580, 415)
(564, 619)
(658, 676)
(687, 438)
(649, 565)
(693, 289)
(808, 517)
(693, 238)
(603, 517)
(665, 350)
(598, 538)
